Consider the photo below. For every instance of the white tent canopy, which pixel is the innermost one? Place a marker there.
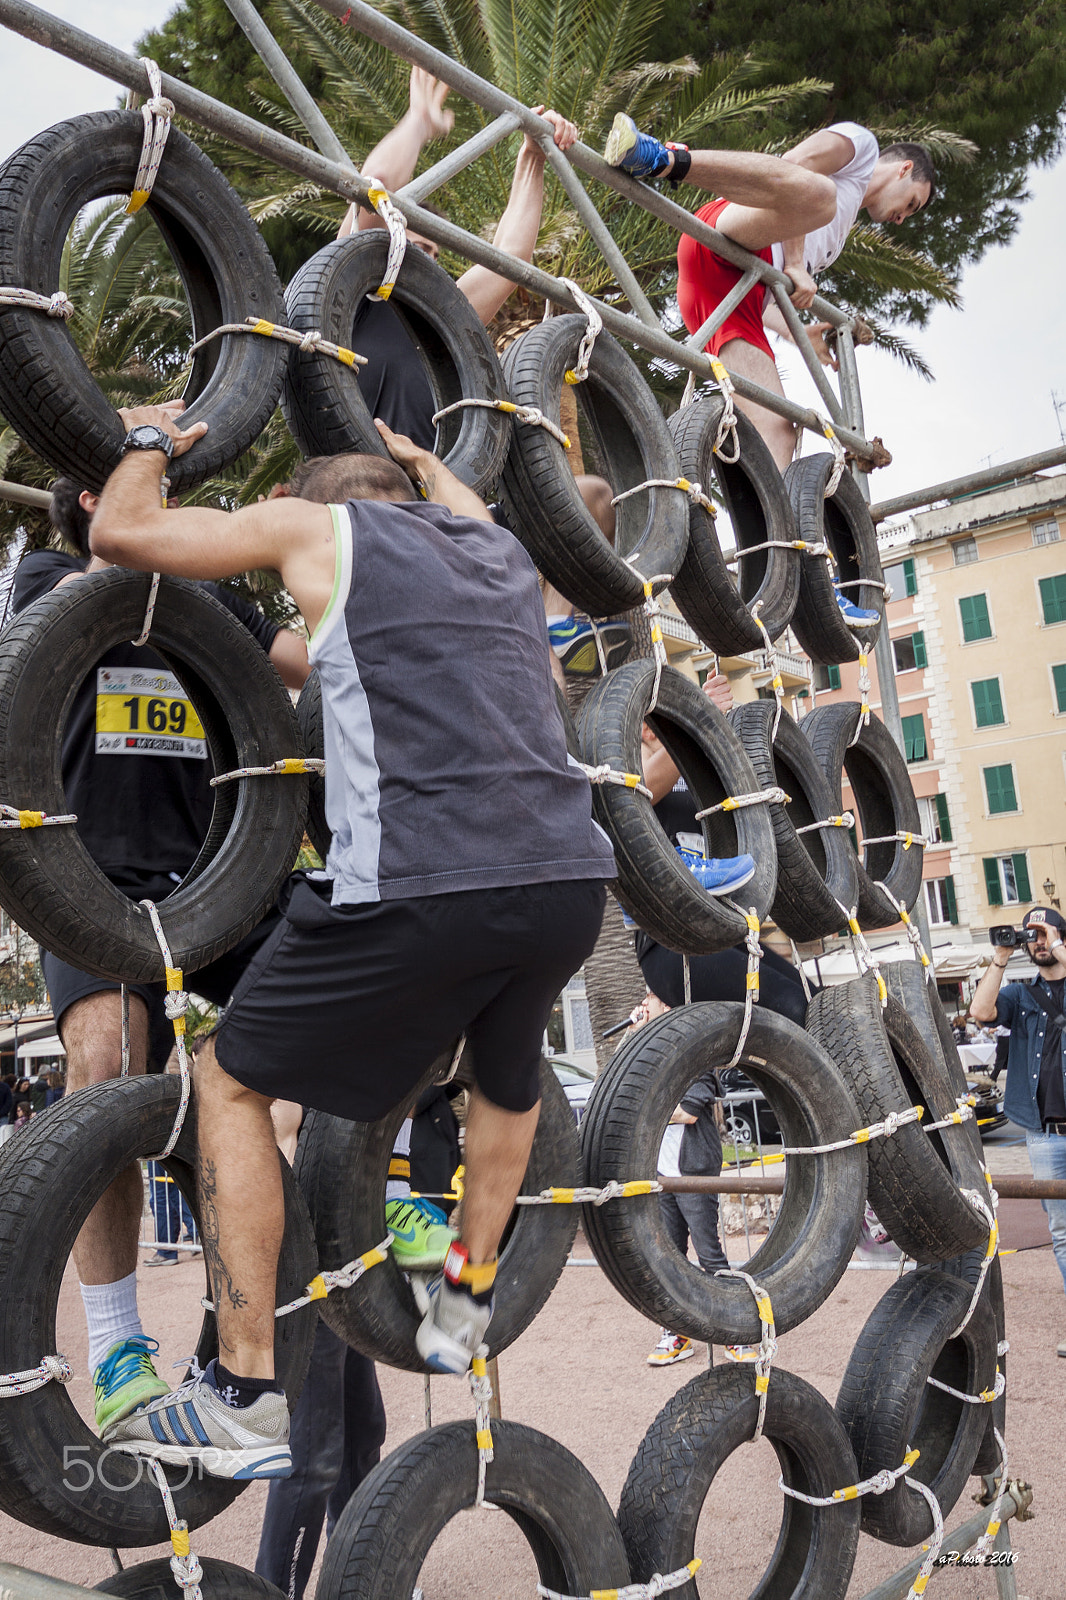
(50, 1046)
(951, 962)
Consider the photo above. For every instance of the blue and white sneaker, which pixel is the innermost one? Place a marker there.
(453, 1326)
(574, 641)
(639, 154)
(718, 875)
(195, 1425)
(854, 615)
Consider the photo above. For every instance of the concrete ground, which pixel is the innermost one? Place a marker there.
(580, 1375)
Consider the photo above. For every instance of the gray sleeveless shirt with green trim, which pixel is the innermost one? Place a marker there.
(446, 762)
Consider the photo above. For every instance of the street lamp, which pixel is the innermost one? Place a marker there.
(1049, 889)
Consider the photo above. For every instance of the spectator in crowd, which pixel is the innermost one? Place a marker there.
(23, 1114)
(7, 1099)
(57, 1087)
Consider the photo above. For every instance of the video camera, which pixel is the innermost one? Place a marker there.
(1008, 938)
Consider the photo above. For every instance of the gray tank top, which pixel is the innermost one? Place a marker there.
(446, 761)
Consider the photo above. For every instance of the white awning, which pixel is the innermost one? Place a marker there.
(50, 1046)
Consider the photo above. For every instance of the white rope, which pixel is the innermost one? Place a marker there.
(656, 1585)
(773, 665)
(183, 1564)
(176, 1005)
(531, 414)
(52, 1369)
(688, 393)
(607, 774)
(751, 983)
(53, 305)
(13, 817)
(764, 1352)
(312, 340)
(773, 796)
(481, 1389)
(989, 1210)
(845, 820)
(727, 423)
(614, 1190)
(797, 962)
(863, 685)
(125, 1006)
(882, 1482)
(686, 973)
(912, 931)
(580, 370)
(985, 1398)
(653, 611)
(286, 766)
(839, 462)
(865, 959)
(964, 1112)
(394, 221)
(780, 544)
(325, 1282)
(693, 490)
(156, 113)
(153, 594)
(983, 1545)
(906, 839)
(884, 1129)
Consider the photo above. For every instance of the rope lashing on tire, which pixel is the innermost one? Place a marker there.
(693, 490)
(863, 686)
(183, 1564)
(311, 340)
(14, 817)
(615, 1190)
(845, 820)
(323, 1283)
(659, 1583)
(764, 1352)
(481, 1390)
(623, 780)
(52, 1369)
(157, 112)
(906, 839)
(982, 1545)
(285, 767)
(397, 226)
(865, 959)
(821, 549)
(175, 1004)
(990, 1212)
(530, 414)
(727, 422)
(921, 954)
(580, 370)
(839, 462)
(964, 1112)
(884, 1482)
(149, 611)
(797, 961)
(653, 611)
(773, 665)
(53, 305)
(985, 1398)
(751, 983)
(884, 1129)
(774, 796)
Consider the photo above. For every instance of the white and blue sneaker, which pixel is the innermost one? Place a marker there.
(639, 154)
(718, 875)
(854, 615)
(453, 1327)
(194, 1424)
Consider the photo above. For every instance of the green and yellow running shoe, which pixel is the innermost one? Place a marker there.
(421, 1237)
(125, 1380)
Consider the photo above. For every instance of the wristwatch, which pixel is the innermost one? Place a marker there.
(146, 436)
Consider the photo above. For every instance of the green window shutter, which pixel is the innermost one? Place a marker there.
(999, 788)
(914, 737)
(950, 901)
(992, 889)
(973, 609)
(909, 576)
(1021, 876)
(941, 802)
(833, 677)
(1053, 597)
(1058, 675)
(920, 658)
(987, 702)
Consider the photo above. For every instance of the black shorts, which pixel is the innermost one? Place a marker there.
(346, 1007)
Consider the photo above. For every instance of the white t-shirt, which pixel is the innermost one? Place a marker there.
(824, 245)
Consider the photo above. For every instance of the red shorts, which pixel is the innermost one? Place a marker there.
(704, 280)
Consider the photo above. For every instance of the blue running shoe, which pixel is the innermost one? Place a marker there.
(718, 876)
(574, 642)
(854, 615)
(126, 1379)
(636, 153)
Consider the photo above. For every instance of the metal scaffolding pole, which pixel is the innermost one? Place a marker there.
(971, 483)
(21, 495)
(289, 81)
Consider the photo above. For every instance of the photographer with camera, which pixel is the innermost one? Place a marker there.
(1035, 1096)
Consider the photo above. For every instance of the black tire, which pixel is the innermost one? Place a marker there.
(47, 392)
(222, 1580)
(654, 885)
(60, 1167)
(708, 596)
(634, 445)
(49, 882)
(844, 523)
(321, 399)
(884, 804)
(916, 1178)
(385, 1531)
(817, 1227)
(888, 1408)
(309, 716)
(907, 983)
(968, 1268)
(342, 1167)
(690, 1441)
(816, 872)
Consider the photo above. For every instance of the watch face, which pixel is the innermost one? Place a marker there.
(146, 436)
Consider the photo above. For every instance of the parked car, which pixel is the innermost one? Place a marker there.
(989, 1108)
(577, 1083)
(749, 1117)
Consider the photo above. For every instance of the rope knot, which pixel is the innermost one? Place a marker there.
(882, 1482)
(60, 306)
(310, 341)
(176, 1004)
(57, 1368)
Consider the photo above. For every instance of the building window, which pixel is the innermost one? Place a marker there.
(999, 789)
(826, 677)
(940, 901)
(1045, 532)
(901, 579)
(987, 703)
(934, 818)
(1058, 678)
(909, 652)
(914, 745)
(976, 623)
(1053, 598)
(963, 551)
(1007, 879)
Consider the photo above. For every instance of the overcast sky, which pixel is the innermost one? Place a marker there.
(996, 361)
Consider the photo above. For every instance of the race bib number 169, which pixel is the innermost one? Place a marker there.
(142, 712)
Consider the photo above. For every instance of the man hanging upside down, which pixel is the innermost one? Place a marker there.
(465, 886)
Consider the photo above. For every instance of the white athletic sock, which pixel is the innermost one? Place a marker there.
(399, 1188)
(111, 1313)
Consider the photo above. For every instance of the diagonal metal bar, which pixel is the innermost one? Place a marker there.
(442, 171)
(806, 351)
(586, 210)
(21, 494)
(971, 483)
(62, 37)
(722, 310)
(289, 81)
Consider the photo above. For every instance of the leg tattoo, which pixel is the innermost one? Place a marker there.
(221, 1278)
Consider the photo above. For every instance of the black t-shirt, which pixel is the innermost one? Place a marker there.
(1049, 1094)
(393, 383)
(136, 767)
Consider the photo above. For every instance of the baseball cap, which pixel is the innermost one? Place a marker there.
(1044, 917)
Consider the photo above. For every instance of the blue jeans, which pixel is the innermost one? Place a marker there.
(169, 1208)
(1047, 1157)
(336, 1434)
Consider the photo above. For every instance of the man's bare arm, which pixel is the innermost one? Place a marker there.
(824, 152)
(438, 482)
(394, 158)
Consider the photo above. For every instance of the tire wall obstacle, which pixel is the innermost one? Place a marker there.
(845, 1089)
